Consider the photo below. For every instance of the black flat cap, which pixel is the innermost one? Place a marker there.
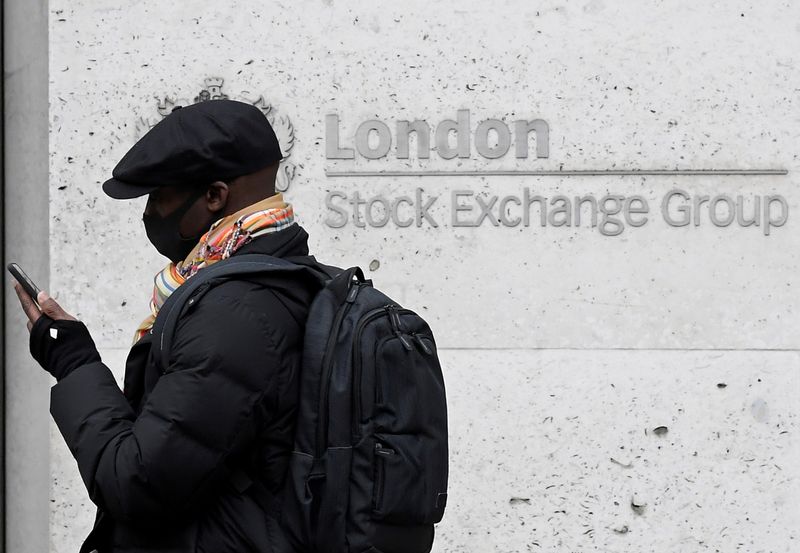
(195, 146)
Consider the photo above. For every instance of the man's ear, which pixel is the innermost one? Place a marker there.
(217, 196)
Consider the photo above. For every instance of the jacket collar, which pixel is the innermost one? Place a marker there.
(289, 242)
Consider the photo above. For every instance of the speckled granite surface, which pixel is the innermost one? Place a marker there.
(653, 85)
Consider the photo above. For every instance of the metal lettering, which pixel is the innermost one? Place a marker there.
(332, 149)
(523, 128)
(423, 134)
(607, 215)
(384, 139)
(458, 208)
(712, 210)
(768, 220)
(338, 209)
(386, 212)
(698, 201)
(461, 128)
(482, 139)
(756, 220)
(373, 140)
(422, 210)
(527, 201)
(611, 214)
(357, 202)
(502, 209)
(641, 210)
(486, 211)
(684, 210)
(396, 212)
(579, 201)
(563, 209)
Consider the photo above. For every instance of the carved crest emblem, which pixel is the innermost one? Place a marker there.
(283, 127)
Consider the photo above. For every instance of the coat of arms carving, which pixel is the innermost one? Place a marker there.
(283, 127)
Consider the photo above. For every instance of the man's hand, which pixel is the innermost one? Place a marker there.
(59, 341)
(49, 307)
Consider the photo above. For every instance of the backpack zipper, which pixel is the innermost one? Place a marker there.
(394, 317)
(418, 338)
(380, 476)
(387, 311)
(327, 367)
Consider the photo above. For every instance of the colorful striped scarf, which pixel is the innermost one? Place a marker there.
(223, 238)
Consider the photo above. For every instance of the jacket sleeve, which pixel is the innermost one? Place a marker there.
(151, 468)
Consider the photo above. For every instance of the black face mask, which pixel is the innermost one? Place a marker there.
(164, 232)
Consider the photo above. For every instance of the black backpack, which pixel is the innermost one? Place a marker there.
(369, 469)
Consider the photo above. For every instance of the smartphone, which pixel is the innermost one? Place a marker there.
(24, 280)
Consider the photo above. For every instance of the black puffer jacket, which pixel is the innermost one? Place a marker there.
(188, 460)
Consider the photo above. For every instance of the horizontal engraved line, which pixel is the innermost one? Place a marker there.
(571, 173)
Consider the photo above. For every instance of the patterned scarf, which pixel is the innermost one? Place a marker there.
(223, 238)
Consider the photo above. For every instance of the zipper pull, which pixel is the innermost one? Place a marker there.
(403, 340)
(380, 450)
(394, 318)
(351, 295)
(421, 343)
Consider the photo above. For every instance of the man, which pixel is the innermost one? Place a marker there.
(190, 457)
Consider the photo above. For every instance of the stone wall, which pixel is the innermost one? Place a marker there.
(629, 386)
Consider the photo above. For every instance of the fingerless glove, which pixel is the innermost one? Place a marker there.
(61, 346)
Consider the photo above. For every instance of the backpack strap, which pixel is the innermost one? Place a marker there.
(338, 281)
(167, 320)
(324, 273)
